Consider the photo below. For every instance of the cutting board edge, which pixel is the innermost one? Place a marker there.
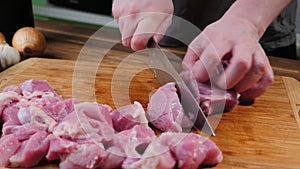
(293, 91)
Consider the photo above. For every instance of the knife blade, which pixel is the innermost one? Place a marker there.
(164, 72)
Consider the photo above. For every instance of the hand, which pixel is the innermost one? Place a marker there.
(248, 71)
(140, 20)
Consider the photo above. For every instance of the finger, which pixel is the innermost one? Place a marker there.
(190, 59)
(256, 72)
(239, 65)
(160, 32)
(259, 88)
(205, 67)
(146, 28)
(194, 51)
(127, 26)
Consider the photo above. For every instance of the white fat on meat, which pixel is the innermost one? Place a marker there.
(36, 116)
(128, 116)
(187, 150)
(86, 122)
(7, 98)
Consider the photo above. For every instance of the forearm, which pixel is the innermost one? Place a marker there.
(259, 13)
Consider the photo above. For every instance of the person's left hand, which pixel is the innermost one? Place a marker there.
(248, 71)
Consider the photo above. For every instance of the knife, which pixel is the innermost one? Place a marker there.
(165, 72)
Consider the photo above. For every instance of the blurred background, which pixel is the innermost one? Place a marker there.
(95, 13)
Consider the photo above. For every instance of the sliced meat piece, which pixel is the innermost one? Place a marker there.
(192, 150)
(187, 150)
(133, 142)
(31, 151)
(214, 100)
(157, 155)
(59, 148)
(8, 146)
(113, 159)
(99, 112)
(126, 117)
(10, 117)
(36, 116)
(6, 99)
(22, 132)
(56, 107)
(31, 86)
(86, 123)
(87, 156)
(164, 110)
(211, 98)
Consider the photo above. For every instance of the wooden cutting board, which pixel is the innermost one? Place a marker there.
(263, 135)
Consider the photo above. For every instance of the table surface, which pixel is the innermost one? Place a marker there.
(65, 41)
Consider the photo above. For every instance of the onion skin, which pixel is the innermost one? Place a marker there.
(2, 39)
(29, 42)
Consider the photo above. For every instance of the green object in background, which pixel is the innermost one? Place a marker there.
(45, 3)
(39, 2)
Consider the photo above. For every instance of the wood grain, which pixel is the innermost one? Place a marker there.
(262, 135)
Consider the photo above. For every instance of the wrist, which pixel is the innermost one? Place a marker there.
(258, 14)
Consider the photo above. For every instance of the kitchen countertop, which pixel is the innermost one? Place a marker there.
(65, 41)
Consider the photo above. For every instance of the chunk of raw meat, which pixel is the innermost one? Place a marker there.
(39, 86)
(187, 150)
(36, 116)
(40, 124)
(214, 100)
(87, 122)
(87, 156)
(56, 107)
(211, 98)
(6, 99)
(126, 117)
(59, 148)
(8, 146)
(31, 151)
(164, 110)
(10, 117)
(133, 142)
(22, 132)
(192, 150)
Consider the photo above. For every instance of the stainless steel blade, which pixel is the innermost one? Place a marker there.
(164, 73)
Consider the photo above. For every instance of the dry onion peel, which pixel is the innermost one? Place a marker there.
(2, 39)
(29, 42)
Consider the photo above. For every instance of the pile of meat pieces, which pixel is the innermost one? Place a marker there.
(39, 125)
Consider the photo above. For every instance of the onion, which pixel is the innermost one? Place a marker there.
(29, 42)
(2, 39)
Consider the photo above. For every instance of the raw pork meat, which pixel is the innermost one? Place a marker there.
(165, 111)
(39, 124)
(8, 146)
(180, 150)
(211, 98)
(31, 151)
(126, 117)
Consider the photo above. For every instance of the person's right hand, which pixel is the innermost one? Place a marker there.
(140, 20)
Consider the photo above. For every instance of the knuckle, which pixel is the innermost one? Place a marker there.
(243, 65)
(269, 79)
